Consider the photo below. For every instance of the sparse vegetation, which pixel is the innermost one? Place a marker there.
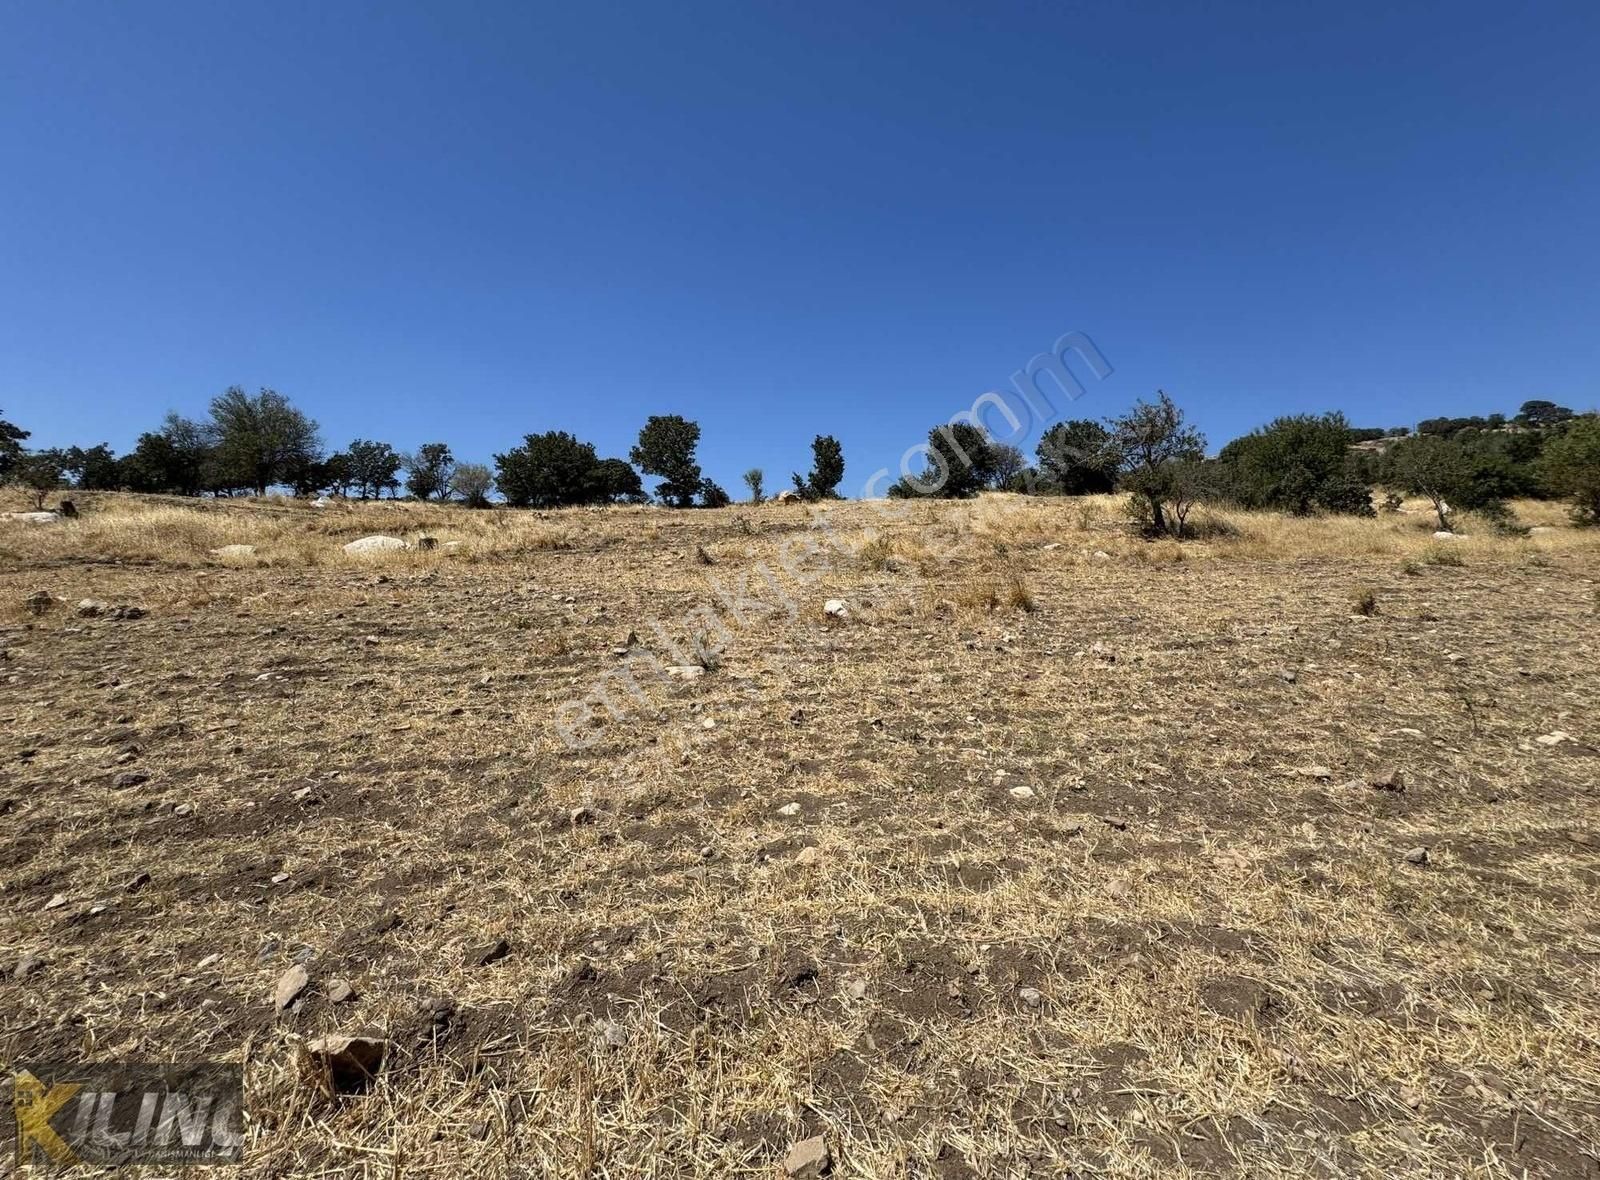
(1092, 778)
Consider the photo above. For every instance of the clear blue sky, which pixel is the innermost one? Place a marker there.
(471, 221)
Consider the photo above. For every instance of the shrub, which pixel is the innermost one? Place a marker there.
(1444, 555)
(1298, 464)
(712, 495)
(1077, 458)
(1571, 468)
(753, 480)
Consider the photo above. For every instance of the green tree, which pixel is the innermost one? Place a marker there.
(753, 480)
(961, 463)
(827, 469)
(1541, 414)
(176, 459)
(615, 480)
(11, 440)
(712, 495)
(548, 471)
(374, 468)
(261, 440)
(94, 469)
(666, 448)
(428, 471)
(1445, 472)
(1571, 468)
(1298, 464)
(1149, 441)
(1078, 458)
(39, 473)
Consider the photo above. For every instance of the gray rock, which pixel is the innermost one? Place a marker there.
(808, 1159)
(376, 544)
(129, 778)
(290, 984)
(340, 991)
(26, 966)
(1417, 856)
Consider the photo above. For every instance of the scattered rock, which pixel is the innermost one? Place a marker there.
(345, 1065)
(1417, 856)
(1101, 652)
(210, 960)
(1051, 547)
(809, 857)
(234, 551)
(1540, 530)
(614, 1036)
(1441, 535)
(129, 778)
(1031, 996)
(835, 608)
(34, 517)
(91, 608)
(26, 966)
(787, 496)
(489, 952)
(856, 989)
(809, 1159)
(686, 671)
(340, 991)
(1553, 739)
(290, 984)
(789, 809)
(1023, 792)
(1288, 676)
(1119, 890)
(581, 815)
(1388, 779)
(1321, 772)
(56, 902)
(375, 544)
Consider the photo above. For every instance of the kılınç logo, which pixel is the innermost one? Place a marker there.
(128, 1114)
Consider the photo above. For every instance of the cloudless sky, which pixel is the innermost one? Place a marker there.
(469, 221)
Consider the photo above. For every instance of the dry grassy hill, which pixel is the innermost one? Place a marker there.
(1272, 854)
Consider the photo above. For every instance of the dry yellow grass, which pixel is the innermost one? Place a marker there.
(1192, 945)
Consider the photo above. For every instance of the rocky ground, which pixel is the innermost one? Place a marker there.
(1047, 852)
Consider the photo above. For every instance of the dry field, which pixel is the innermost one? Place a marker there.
(1063, 854)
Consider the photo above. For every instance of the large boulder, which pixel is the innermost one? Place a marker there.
(375, 544)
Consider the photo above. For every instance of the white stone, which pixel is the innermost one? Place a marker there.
(835, 608)
(1441, 535)
(34, 517)
(1553, 739)
(1021, 792)
(321, 502)
(686, 671)
(789, 809)
(234, 551)
(376, 544)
